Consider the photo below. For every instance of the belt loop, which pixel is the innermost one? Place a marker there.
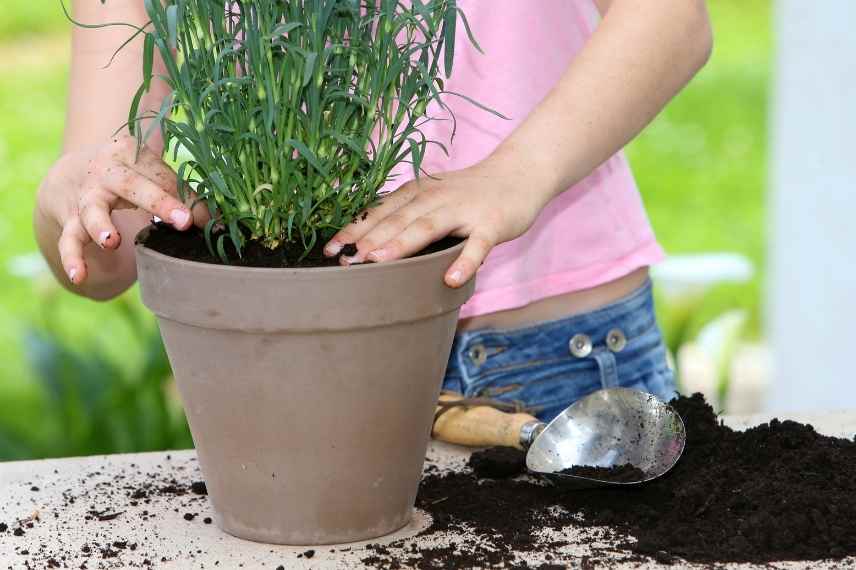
(608, 368)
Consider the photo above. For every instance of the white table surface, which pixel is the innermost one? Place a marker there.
(167, 540)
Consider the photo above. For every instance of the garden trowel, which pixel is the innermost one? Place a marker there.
(607, 429)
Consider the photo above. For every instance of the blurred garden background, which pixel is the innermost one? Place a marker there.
(78, 377)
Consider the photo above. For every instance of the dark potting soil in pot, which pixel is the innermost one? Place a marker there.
(778, 491)
(191, 245)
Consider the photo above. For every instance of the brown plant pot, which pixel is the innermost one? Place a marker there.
(310, 393)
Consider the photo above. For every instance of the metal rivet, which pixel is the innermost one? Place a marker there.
(615, 340)
(477, 354)
(580, 345)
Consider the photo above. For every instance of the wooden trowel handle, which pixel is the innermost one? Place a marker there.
(479, 426)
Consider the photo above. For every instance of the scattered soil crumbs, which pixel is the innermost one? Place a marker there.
(86, 512)
(625, 473)
(191, 245)
(778, 491)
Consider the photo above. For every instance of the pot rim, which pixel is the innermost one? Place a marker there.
(397, 263)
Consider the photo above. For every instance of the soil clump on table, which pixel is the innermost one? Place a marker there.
(191, 245)
(778, 491)
(497, 463)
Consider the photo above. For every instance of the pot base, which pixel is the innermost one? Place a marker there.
(416, 522)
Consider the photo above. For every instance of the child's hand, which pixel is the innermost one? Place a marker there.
(484, 204)
(84, 188)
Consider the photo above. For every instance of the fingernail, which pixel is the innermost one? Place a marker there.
(102, 238)
(71, 273)
(377, 255)
(455, 276)
(332, 248)
(179, 218)
(350, 260)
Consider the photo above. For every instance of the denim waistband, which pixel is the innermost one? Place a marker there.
(473, 352)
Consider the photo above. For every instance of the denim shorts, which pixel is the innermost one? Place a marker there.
(548, 366)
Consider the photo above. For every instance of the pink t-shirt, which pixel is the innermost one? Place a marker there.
(594, 232)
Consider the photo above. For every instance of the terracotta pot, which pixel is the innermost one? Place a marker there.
(310, 393)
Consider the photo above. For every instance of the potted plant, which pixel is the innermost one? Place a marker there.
(309, 391)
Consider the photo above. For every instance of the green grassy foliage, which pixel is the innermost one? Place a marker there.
(701, 164)
(30, 17)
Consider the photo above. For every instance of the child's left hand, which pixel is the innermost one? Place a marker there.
(483, 203)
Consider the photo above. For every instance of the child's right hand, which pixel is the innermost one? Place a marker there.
(84, 187)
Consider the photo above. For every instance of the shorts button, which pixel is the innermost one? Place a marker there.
(477, 354)
(580, 345)
(615, 340)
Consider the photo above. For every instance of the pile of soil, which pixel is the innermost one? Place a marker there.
(625, 473)
(779, 491)
(191, 245)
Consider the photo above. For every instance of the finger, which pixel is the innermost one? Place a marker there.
(199, 210)
(71, 243)
(125, 150)
(391, 226)
(145, 194)
(366, 221)
(417, 236)
(152, 166)
(155, 169)
(464, 268)
(95, 206)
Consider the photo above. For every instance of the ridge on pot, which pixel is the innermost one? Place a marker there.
(310, 393)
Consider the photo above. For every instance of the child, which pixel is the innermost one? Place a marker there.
(553, 220)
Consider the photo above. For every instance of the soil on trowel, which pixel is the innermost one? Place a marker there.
(625, 473)
(191, 245)
(779, 491)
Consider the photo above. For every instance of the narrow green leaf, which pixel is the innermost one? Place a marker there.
(148, 59)
(417, 151)
(125, 44)
(450, 19)
(309, 67)
(172, 25)
(236, 237)
(472, 101)
(134, 109)
(209, 229)
(308, 155)
(470, 35)
(221, 249)
(283, 29)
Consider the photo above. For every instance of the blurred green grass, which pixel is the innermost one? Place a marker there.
(700, 167)
(31, 17)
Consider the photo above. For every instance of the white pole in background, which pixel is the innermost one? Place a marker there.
(811, 310)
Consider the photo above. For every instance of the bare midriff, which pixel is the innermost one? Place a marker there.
(560, 306)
